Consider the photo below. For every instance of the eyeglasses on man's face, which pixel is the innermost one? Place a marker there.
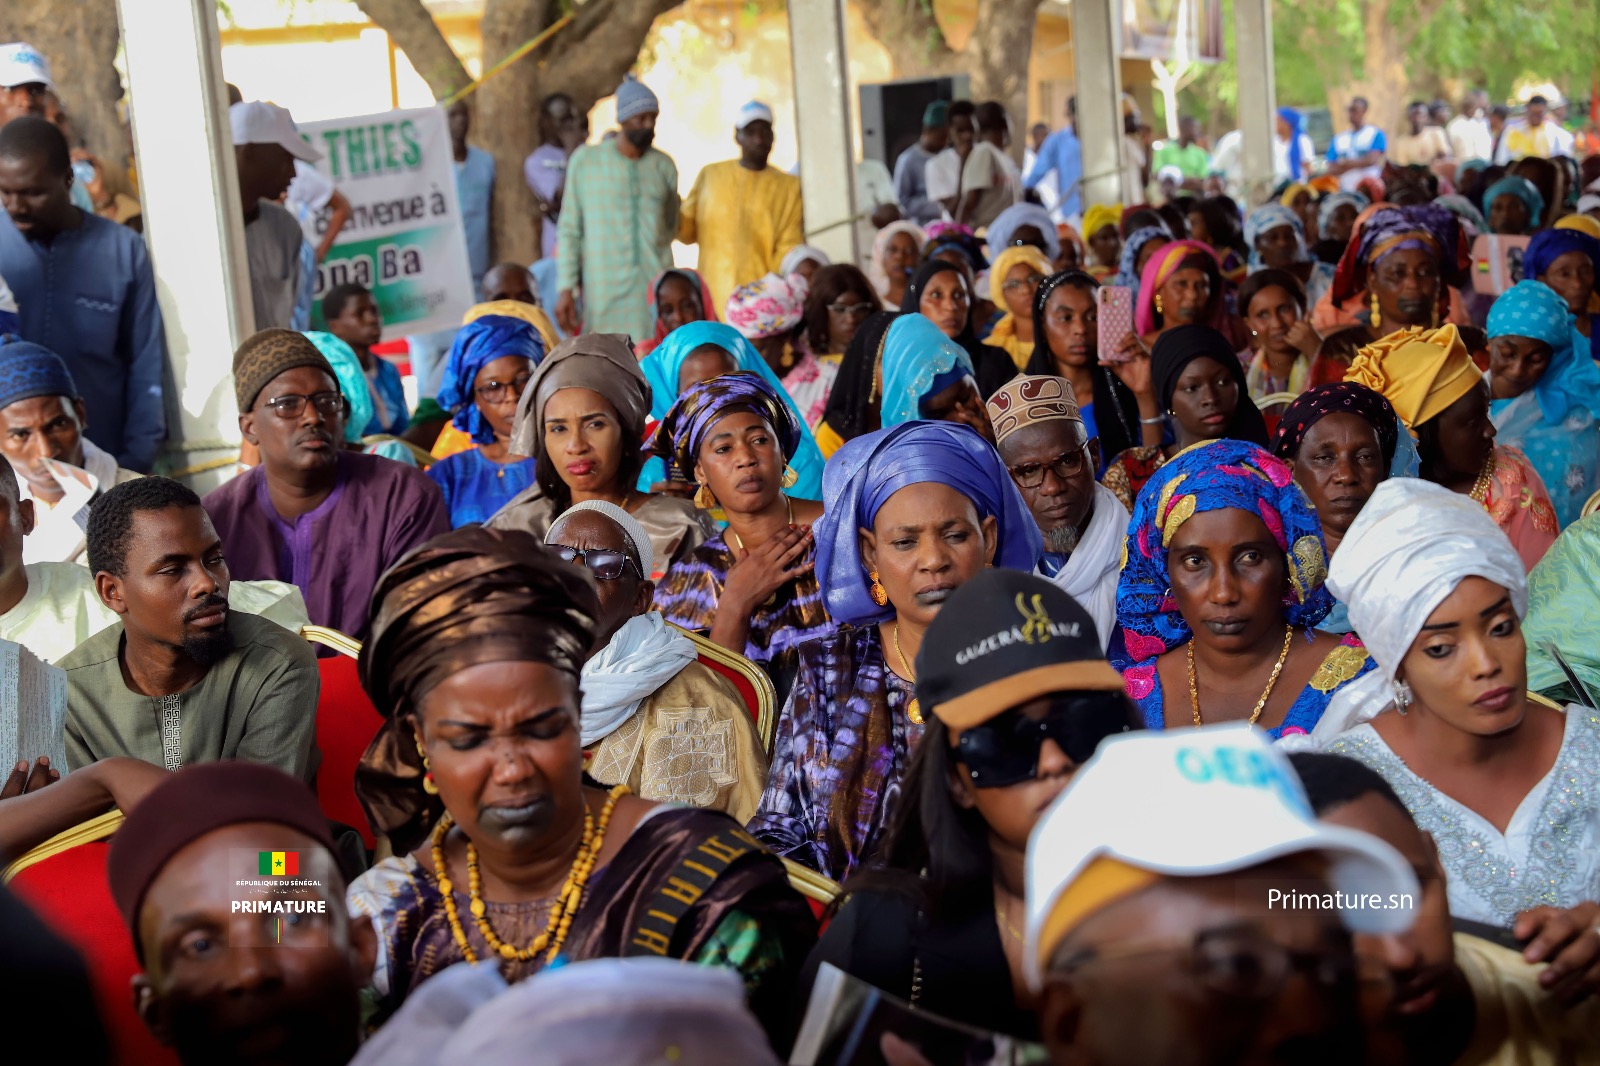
(293, 405)
(605, 564)
(1064, 466)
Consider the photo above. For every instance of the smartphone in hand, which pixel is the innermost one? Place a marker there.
(1114, 310)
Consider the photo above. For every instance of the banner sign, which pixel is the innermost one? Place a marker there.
(404, 239)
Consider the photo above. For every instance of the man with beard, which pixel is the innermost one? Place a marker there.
(619, 215)
(277, 982)
(313, 513)
(181, 679)
(1041, 438)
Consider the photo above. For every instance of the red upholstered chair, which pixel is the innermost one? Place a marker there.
(64, 881)
(752, 682)
(346, 723)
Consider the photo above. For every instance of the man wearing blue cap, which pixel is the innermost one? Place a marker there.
(911, 169)
(744, 214)
(619, 215)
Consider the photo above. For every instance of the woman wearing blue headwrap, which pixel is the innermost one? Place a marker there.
(1568, 261)
(491, 361)
(914, 511)
(1543, 394)
(353, 383)
(693, 353)
(1221, 593)
(1294, 142)
(1514, 205)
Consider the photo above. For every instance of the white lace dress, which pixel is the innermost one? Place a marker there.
(1549, 854)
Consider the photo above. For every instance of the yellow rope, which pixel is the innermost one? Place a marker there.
(202, 468)
(555, 27)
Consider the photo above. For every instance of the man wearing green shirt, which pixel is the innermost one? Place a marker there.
(1186, 154)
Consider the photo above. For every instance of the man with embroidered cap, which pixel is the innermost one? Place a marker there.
(619, 215)
(314, 513)
(744, 214)
(1041, 438)
(183, 678)
(1185, 906)
(278, 981)
(656, 719)
(265, 146)
(85, 290)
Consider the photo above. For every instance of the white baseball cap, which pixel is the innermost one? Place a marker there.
(751, 112)
(257, 122)
(23, 64)
(1194, 803)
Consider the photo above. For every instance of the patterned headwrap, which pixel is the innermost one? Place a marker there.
(1128, 266)
(1389, 229)
(880, 247)
(601, 362)
(866, 471)
(1014, 218)
(1270, 217)
(1549, 245)
(1162, 266)
(1419, 371)
(704, 405)
(464, 598)
(1027, 400)
(352, 381)
(265, 355)
(28, 370)
(1329, 205)
(1008, 258)
(767, 306)
(1344, 397)
(1099, 217)
(476, 345)
(1524, 190)
(1535, 310)
(1215, 476)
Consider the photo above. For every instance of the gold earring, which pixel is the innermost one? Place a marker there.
(1377, 319)
(703, 498)
(879, 596)
(1158, 303)
(791, 477)
(428, 784)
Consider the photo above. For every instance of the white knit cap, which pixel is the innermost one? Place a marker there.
(637, 538)
(1406, 552)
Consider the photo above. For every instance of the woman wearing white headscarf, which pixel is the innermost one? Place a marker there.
(1504, 784)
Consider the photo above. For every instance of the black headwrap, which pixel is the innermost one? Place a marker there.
(705, 404)
(1344, 397)
(992, 367)
(1116, 409)
(853, 405)
(1182, 345)
(466, 597)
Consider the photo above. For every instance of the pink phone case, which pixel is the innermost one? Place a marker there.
(1114, 305)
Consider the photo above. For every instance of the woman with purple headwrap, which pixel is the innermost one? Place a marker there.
(751, 588)
(1568, 261)
(914, 511)
(491, 361)
(1398, 270)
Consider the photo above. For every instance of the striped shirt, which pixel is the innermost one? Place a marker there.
(618, 218)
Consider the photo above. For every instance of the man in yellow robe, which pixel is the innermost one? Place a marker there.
(744, 214)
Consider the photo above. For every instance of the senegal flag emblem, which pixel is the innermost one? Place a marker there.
(278, 863)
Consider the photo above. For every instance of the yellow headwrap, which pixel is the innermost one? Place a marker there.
(1419, 371)
(1287, 199)
(1099, 217)
(1581, 223)
(532, 315)
(1024, 253)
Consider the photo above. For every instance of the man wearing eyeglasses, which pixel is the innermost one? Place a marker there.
(653, 716)
(314, 513)
(1041, 437)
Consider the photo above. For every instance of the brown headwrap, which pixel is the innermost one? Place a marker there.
(602, 362)
(265, 355)
(466, 597)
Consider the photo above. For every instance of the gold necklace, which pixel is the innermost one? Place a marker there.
(914, 708)
(566, 905)
(1261, 704)
(1005, 921)
(738, 542)
(1480, 487)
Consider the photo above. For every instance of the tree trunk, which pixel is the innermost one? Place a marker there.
(80, 41)
(416, 34)
(1003, 32)
(910, 33)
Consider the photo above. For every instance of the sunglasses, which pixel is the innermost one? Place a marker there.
(1005, 750)
(605, 564)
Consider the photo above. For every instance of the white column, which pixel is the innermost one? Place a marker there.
(822, 110)
(193, 223)
(1258, 94)
(1097, 74)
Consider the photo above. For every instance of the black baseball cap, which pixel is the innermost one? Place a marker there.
(1004, 638)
